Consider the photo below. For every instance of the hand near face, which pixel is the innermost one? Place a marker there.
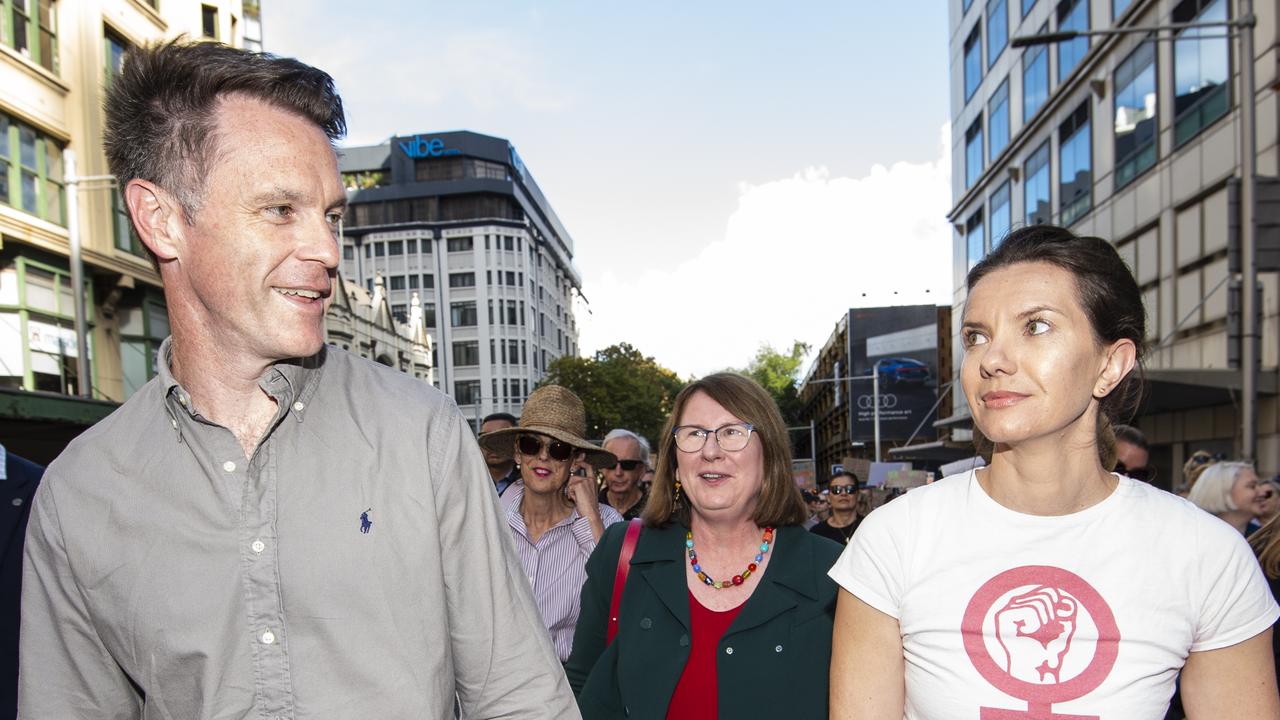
(581, 489)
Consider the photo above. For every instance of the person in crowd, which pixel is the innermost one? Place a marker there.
(1231, 491)
(844, 519)
(1132, 455)
(19, 479)
(622, 489)
(1270, 501)
(503, 471)
(1266, 544)
(726, 609)
(270, 527)
(1044, 580)
(817, 506)
(1195, 465)
(554, 518)
(646, 480)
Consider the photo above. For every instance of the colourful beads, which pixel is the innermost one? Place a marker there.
(737, 579)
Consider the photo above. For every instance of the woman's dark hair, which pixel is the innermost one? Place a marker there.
(780, 500)
(1109, 296)
(160, 109)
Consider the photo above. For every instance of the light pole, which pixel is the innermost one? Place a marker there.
(874, 377)
(1243, 31)
(85, 385)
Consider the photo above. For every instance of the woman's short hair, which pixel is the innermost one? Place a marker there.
(846, 474)
(1212, 491)
(1109, 296)
(780, 501)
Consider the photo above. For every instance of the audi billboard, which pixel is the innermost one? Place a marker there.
(900, 344)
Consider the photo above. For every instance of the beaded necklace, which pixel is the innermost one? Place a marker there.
(737, 579)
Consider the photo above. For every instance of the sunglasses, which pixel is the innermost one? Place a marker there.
(1141, 474)
(628, 465)
(842, 490)
(532, 445)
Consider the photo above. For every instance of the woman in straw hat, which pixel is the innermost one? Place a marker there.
(554, 515)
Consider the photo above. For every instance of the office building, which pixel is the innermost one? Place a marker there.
(1137, 140)
(457, 218)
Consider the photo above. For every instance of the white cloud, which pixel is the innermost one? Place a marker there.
(796, 254)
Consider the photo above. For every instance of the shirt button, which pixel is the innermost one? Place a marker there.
(229, 466)
(268, 637)
(646, 623)
(258, 546)
(778, 649)
(17, 502)
(684, 641)
(728, 651)
(174, 423)
(297, 407)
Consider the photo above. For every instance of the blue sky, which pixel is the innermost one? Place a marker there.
(694, 151)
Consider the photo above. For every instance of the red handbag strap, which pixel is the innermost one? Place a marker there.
(620, 578)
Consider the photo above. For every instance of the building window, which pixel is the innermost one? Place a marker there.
(973, 153)
(466, 392)
(38, 158)
(997, 29)
(1135, 114)
(32, 30)
(411, 247)
(126, 238)
(142, 328)
(209, 21)
(463, 314)
(348, 251)
(1201, 61)
(1001, 218)
(1118, 7)
(1072, 15)
(42, 354)
(975, 240)
(395, 247)
(114, 49)
(1075, 162)
(1035, 190)
(459, 244)
(413, 281)
(466, 353)
(1026, 6)
(400, 312)
(463, 279)
(429, 282)
(429, 314)
(379, 249)
(967, 4)
(972, 62)
(998, 120)
(1035, 79)
(397, 282)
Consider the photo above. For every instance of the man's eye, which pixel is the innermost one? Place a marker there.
(282, 211)
(334, 218)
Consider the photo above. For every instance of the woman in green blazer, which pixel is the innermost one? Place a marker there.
(727, 609)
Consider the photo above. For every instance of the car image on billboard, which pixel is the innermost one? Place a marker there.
(903, 370)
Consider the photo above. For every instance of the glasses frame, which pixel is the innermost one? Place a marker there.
(635, 465)
(551, 444)
(842, 489)
(675, 435)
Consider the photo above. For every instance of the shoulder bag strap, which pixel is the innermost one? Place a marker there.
(620, 578)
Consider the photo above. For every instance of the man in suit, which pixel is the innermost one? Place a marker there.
(19, 478)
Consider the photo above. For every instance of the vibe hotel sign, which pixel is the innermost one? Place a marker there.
(419, 147)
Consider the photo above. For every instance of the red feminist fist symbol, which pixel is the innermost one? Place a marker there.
(1035, 628)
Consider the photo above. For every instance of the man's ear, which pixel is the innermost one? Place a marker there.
(157, 217)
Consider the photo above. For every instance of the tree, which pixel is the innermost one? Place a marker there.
(621, 388)
(779, 374)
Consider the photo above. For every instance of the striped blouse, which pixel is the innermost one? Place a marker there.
(556, 565)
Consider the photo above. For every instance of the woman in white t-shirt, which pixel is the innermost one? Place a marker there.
(1045, 586)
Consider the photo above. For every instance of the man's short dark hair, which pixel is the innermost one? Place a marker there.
(1130, 434)
(160, 109)
(508, 417)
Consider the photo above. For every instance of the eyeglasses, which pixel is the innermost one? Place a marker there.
(1141, 474)
(730, 438)
(1267, 494)
(628, 465)
(843, 490)
(532, 445)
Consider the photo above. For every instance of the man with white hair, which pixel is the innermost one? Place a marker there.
(622, 481)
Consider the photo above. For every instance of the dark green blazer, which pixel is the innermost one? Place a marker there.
(773, 661)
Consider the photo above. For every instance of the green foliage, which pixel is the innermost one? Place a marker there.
(621, 387)
(779, 373)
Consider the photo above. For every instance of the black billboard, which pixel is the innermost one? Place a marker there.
(900, 344)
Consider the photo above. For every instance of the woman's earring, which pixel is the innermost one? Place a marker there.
(676, 499)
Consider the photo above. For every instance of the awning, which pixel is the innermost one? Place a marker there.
(1172, 390)
(38, 425)
(940, 451)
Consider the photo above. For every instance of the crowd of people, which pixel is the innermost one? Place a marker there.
(276, 528)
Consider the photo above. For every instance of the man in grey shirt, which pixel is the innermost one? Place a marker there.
(270, 528)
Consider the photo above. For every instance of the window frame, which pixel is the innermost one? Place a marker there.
(973, 174)
(1046, 149)
(1134, 158)
(1036, 54)
(994, 53)
(1221, 91)
(992, 151)
(1070, 131)
(972, 41)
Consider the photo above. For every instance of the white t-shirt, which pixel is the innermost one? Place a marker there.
(1090, 614)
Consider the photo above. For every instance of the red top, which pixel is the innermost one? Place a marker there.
(697, 694)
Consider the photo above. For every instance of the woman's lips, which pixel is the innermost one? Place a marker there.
(1002, 398)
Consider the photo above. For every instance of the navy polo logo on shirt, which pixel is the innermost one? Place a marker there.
(365, 523)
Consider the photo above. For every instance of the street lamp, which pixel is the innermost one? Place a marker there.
(1243, 26)
(73, 183)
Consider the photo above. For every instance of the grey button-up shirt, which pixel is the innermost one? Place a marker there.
(356, 566)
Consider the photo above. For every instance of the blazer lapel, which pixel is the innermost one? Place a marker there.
(659, 557)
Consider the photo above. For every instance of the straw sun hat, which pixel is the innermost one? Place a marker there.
(555, 411)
